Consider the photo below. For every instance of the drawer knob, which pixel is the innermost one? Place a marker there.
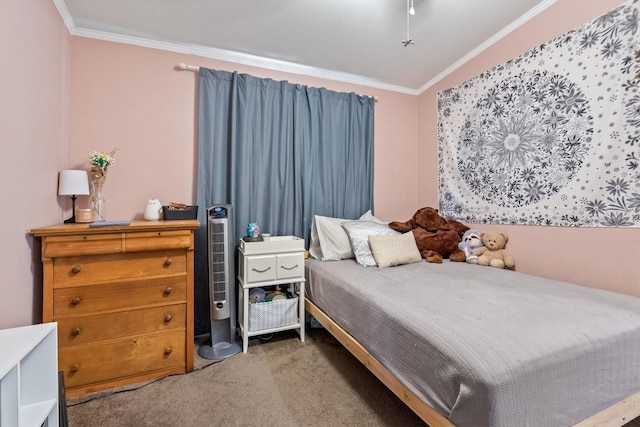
(168, 262)
(76, 269)
(168, 317)
(261, 271)
(75, 301)
(289, 268)
(74, 368)
(167, 351)
(168, 290)
(75, 332)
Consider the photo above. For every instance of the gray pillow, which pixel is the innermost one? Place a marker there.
(359, 232)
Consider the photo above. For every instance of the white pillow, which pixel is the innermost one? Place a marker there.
(368, 216)
(359, 232)
(329, 241)
(394, 250)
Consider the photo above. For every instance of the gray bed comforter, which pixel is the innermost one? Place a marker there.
(488, 347)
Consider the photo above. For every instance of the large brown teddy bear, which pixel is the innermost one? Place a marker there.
(436, 237)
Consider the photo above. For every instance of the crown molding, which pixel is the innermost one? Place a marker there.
(290, 67)
(225, 55)
(239, 58)
(65, 15)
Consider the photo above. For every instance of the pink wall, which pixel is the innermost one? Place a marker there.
(134, 99)
(33, 115)
(71, 95)
(596, 257)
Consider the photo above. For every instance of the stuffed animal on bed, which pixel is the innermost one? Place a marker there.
(436, 236)
(471, 239)
(493, 253)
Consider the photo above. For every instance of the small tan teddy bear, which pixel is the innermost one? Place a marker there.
(493, 252)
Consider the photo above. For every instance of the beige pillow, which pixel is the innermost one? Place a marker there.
(394, 250)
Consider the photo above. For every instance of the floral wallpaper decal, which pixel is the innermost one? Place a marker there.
(551, 137)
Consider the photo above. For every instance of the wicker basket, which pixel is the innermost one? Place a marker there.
(273, 314)
(85, 215)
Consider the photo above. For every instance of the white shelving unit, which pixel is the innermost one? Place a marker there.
(29, 376)
(278, 261)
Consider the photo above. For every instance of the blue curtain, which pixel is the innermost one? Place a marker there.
(279, 153)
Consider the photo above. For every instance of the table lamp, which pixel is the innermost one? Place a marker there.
(72, 183)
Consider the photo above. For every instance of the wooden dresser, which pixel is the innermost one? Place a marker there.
(123, 300)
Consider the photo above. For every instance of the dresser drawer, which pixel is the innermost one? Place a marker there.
(157, 240)
(289, 266)
(110, 360)
(86, 244)
(81, 300)
(80, 270)
(88, 329)
(261, 268)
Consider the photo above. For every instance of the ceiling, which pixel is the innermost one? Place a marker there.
(358, 41)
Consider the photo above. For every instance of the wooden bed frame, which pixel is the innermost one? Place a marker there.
(615, 415)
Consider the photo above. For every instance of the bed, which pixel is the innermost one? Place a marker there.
(467, 345)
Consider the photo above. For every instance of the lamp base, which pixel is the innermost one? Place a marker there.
(73, 211)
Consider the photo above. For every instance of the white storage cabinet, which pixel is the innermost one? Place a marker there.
(277, 261)
(29, 376)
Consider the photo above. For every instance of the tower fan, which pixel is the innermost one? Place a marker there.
(222, 290)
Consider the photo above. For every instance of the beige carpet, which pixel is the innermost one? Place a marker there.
(281, 382)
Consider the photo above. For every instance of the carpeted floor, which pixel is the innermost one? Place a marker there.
(279, 382)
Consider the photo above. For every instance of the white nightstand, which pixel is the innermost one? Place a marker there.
(278, 261)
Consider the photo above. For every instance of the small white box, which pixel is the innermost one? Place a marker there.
(276, 244)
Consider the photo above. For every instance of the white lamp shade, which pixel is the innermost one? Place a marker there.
(73, 182)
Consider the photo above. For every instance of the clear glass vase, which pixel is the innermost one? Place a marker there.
(98, 202)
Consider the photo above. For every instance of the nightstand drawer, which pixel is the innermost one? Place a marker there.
(87, 329)
(71, 271)
(290, 266)
(80, 300)
(261, 268)
(107, 361)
